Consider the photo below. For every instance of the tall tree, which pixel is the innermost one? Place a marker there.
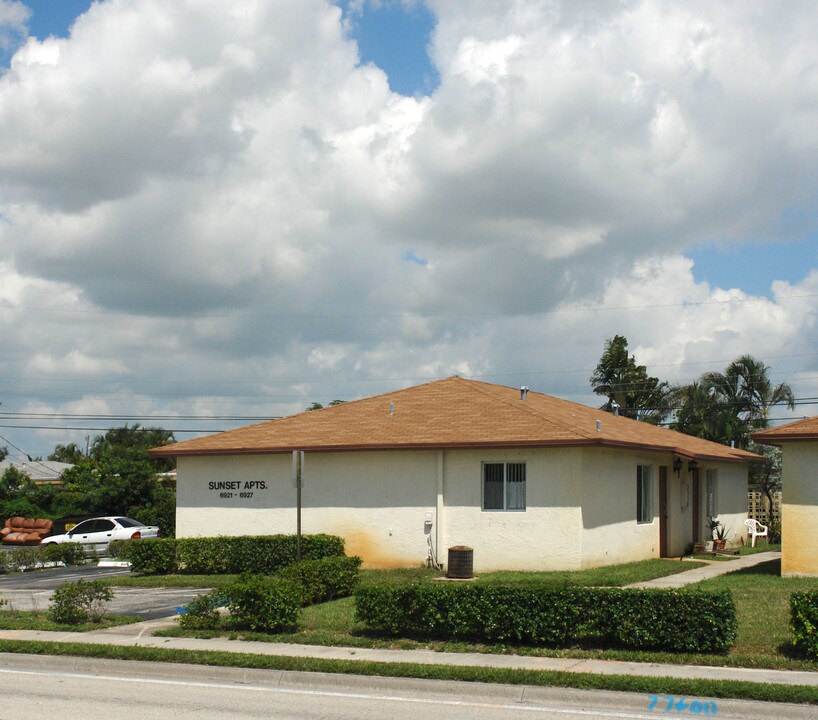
(70, 453)
(727, 406)
(628, 386)
(131, 442)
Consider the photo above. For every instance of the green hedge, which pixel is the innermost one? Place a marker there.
(27, 557)
(222, 555)
(804, 622)
(120, 549)
(325, 579)
(263, 604)
(684, 621)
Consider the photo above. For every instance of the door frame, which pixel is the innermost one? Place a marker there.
(663, 518)
(696, 506)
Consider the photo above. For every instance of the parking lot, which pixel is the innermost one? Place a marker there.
(32, 591)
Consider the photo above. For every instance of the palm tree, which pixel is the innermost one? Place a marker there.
(726, 407)
(755, 391)
(70, 453)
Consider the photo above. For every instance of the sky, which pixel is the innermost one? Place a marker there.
(215, 212)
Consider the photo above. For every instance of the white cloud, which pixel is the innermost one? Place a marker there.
(208, 208)
(14, 18)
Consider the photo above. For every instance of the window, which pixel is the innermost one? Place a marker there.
(644, 494)
(503, 486)
(85, 527)
(711, 496)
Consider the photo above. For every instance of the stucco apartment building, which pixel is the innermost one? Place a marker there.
(799, 495)
(527, 480)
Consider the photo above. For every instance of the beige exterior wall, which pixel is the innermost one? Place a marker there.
(731, 501)
(799, 509)
(377, 501)
(580, 504)
(610, 532)
(546, 535)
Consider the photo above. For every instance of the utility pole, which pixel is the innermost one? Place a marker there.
(298, 471)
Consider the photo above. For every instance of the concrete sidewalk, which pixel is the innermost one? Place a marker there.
(141, 635)
(713, 569)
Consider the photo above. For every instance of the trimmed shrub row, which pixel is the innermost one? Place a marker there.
(270, 604)
(27, 558)
(227, 555)
(325, 579)
(683, 621)
(263, 604)
(804, 622)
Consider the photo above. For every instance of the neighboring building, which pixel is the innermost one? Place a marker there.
(799, 496)
(42, 472)
(528, 480)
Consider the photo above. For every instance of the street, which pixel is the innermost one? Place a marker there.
(65, 687)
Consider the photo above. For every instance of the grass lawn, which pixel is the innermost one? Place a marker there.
(760, 594)
(612, 576)
(38, 620)
(762, 600)
(174, 581)
(760, 547)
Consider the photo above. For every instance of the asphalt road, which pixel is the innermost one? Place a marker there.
(32, 591)
(77, 687)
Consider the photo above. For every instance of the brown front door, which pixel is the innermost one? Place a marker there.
(662, 511)
(696, 510)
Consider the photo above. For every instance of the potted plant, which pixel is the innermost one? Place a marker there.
(718, 533)
(722, 533)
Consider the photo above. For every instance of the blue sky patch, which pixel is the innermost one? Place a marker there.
(752, 267)
(395, 36)
(410, 256)
(54, 17)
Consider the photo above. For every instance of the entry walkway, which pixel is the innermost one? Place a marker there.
(714, 568)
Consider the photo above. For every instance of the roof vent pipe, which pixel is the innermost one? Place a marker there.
(523, 392)
(614, 407)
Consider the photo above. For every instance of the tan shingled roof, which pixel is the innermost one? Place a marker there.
(451, 413)
(806, 429)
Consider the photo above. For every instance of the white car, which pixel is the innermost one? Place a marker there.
(96, 533)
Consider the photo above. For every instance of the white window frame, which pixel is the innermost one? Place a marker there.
(644, 494)
(505, 507)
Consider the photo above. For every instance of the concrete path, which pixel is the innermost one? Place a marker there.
(140, 635)
(713, 569)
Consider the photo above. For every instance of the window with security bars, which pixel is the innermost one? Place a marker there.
(503, 486)
(644, 494)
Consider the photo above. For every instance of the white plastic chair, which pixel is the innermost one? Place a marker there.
(756, 529)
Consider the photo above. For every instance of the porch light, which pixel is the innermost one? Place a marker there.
(692, 465)
(677, 465)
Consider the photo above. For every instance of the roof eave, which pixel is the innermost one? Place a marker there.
(685, 454)
(780, 439)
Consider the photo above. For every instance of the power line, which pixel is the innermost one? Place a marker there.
(25, 454)
(128, 417)
(390, 316)
(99, 429)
